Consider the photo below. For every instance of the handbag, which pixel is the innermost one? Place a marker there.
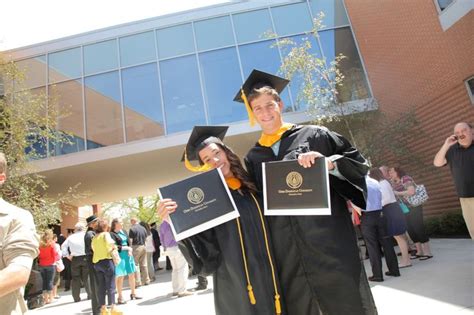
(404, 207)
(420, 196)
(115, 256)
(114, 253)
(59, 265)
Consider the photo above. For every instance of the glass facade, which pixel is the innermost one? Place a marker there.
(166, 80)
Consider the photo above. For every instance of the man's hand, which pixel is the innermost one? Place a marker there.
(165, 207)
(450, 141)
(307, 159)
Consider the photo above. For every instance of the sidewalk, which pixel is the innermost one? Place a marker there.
(443, 285)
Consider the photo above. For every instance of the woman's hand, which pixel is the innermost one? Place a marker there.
(165, 207)
(307, 159)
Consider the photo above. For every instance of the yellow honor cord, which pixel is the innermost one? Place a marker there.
(268, 140)
(247, 106)
(270, 260)
(249, 285)
(189, 166)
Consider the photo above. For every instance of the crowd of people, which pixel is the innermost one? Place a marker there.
(384, 220)
(260, 264)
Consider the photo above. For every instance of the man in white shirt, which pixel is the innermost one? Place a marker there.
(18, 247)
(74, 249)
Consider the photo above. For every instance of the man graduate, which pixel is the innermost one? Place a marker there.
(316, 256)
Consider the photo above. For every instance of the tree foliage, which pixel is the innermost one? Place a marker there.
(325, 84)
(143, 207)
(28, 121)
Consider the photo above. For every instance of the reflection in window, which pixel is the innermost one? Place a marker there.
(470, 88)
(220, 93)
(103, 109)
(137, 49)
(175, 41)
(334, 12)
(262, 56)
(38, 144)
(182, 94)
(34, 70)
(142, 102)
(67, 97)
(443, 4)
(250, 26)
(64, 65)
(214, 33)
(292, 19)
(340, 41)
(100, 57)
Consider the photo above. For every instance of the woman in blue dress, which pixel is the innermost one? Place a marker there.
(126, 267)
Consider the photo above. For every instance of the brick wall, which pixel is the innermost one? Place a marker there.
(412, 63)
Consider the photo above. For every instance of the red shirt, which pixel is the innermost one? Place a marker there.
(47, 256)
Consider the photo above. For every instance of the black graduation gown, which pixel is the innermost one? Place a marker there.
(218, 252)
(317, 256)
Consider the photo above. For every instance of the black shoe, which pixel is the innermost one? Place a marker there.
(200, 287)
(375, 279)
(388, 273)
(135, 297)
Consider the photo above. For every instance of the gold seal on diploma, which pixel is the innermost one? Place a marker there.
(294, 180)
(195, 195)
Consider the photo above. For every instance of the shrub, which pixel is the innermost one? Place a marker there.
(447, 225)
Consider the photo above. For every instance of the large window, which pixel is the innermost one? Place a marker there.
(100, 57)
(68, 100)
(214, 33)
(175, 41)
(136, 49)
(292, 19)
(219, 93)
(262, 56)
(103, 109)
(182, 94)
(470, 88)
(341, 41)
(334, 12)
(34, 70)
(64, 65)
(250, 26)
(142, 102)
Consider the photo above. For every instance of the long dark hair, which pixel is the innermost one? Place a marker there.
(235, 164)
(113, 224)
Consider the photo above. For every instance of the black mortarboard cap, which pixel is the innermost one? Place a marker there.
(258, 79)
(197, 137)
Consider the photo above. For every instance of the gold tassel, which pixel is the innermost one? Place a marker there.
(277, 304)
(253, 301)
(247, 106)
(192, 168)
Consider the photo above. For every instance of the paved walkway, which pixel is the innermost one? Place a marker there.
(443, 285)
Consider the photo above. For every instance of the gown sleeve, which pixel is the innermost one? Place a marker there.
(352, 167)
(202, 252)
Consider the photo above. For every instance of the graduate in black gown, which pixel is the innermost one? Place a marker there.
(237, 253)
(317, 256)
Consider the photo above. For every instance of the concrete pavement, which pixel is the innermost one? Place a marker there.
(443, 285)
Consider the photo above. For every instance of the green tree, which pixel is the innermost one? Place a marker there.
(326, 84)
(27, 123)
(143, 207)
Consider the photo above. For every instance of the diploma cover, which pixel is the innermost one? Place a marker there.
(204, 201)
(290, 189)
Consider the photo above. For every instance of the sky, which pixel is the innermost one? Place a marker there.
(27, 22)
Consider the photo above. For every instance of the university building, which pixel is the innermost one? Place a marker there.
(134, 91)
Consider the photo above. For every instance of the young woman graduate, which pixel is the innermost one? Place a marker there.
(236, 253)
